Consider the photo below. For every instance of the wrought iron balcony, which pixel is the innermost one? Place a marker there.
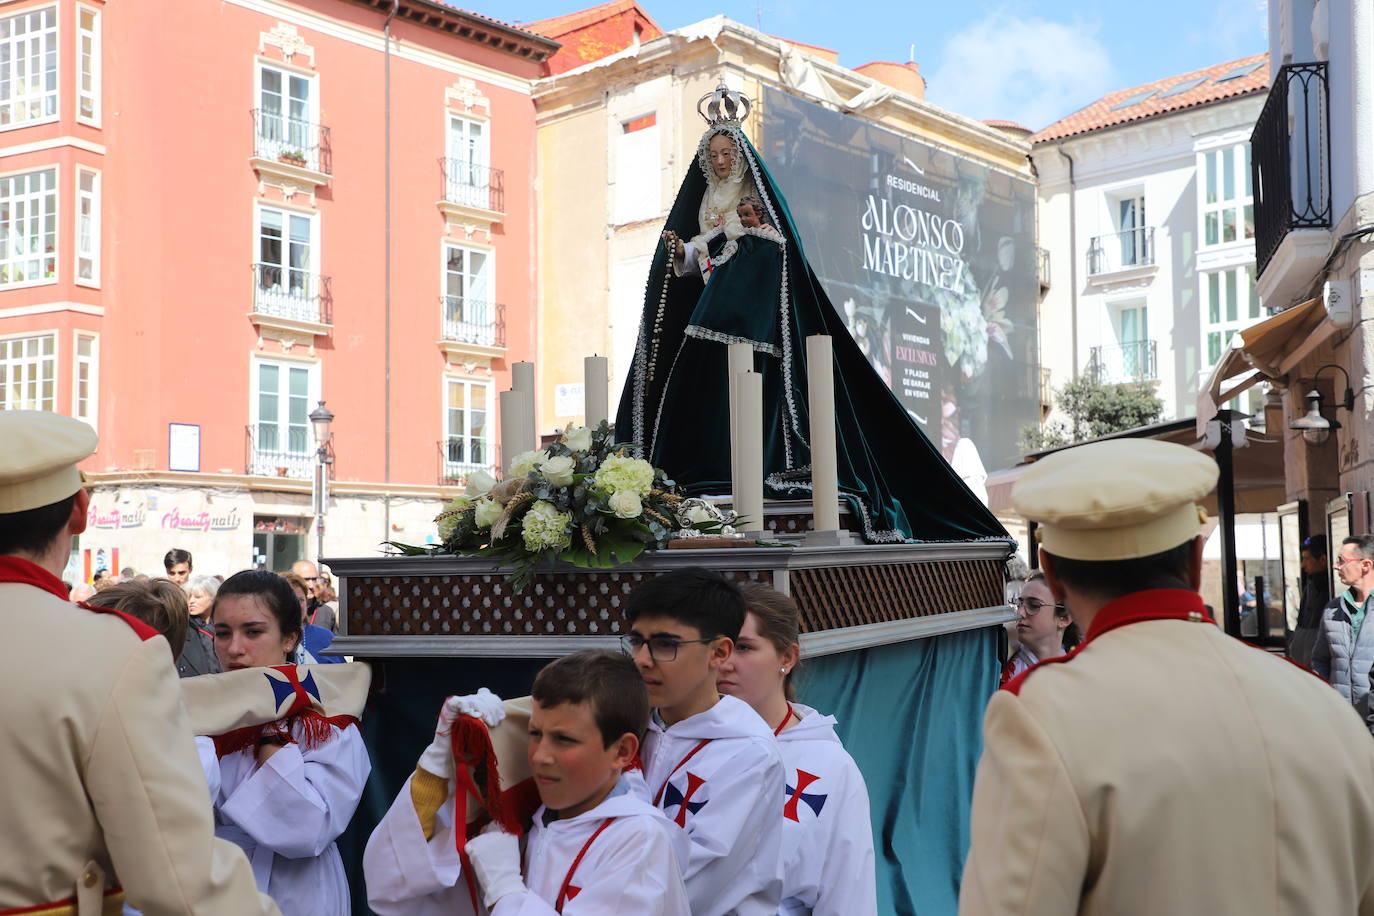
(269, 456)
(1129, 362)
(286, 292)
(469, 185)
(475, 322)
(1290, 159)
(292, 142)
(456, 465)
(1121, 251)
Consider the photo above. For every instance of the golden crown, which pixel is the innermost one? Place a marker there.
(724, 106)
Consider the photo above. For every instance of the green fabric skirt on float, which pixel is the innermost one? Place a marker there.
(759, 289)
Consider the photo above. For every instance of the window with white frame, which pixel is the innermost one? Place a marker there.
(287, 283)
(88, 65)
(469, 314)
(1228, 202)
(28, 372)
(638, 163)
(467, 170)
(467, 433)
(28, 67)
(282, 394)
(287, 107)
(85, 380)
(87, 227)
(28, 228)
(1229, 303)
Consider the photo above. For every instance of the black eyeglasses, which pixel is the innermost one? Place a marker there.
(661, 648)
(1032, 606)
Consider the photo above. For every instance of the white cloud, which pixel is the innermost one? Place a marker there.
(1024, 69)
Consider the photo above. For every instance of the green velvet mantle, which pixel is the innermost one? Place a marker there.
(676, 408)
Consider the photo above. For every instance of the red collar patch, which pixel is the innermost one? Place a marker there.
(1138, 607)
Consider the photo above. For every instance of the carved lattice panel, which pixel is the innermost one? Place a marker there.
(559, 604)
(835, 597)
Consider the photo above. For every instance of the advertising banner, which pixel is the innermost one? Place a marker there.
(930, 257)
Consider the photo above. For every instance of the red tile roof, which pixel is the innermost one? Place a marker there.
(1154, 100)
(571, 22)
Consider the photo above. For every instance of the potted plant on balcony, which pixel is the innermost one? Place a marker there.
(292, 157)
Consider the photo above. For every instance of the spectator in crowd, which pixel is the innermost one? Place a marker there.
(177, 562)
(128, 573)
(314, 639)
(152, 602)
(200, 596)
(1316, 592)
(1043, 627)
(1344, 651)
(310, 574)
(327, 611)
(81, 592)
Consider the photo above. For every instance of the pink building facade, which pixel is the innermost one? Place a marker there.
(215, 215)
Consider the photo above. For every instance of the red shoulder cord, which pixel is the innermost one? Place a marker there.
(567, 881)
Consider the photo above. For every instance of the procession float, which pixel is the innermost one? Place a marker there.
(753, 438)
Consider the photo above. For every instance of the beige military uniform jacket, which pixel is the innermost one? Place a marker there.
(100, 782)
(1166, 768)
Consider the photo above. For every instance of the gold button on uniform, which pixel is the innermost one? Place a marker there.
(89, 879)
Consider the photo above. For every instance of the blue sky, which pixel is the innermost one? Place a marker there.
(1032, 62)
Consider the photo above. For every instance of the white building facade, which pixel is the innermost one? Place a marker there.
(1146, 213)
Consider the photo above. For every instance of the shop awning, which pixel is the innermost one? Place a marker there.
(1264, 352)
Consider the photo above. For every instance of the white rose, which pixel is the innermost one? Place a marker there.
(526, 462)
(698, 514)
(487, 512)
(480, 484)
(579, 440)
(626, 504)
(558, 471)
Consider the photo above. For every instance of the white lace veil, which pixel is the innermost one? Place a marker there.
(704, 156)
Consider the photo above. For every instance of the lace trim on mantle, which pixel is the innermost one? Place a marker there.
(697, 331)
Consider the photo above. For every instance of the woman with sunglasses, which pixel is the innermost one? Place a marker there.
(1044, 627)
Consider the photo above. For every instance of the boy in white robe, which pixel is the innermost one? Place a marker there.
(710, 762)
(595, 847)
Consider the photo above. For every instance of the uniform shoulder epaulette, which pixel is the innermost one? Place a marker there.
(1013, 686)
(144, 631)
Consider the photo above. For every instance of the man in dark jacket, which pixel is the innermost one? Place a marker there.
(1316, 593)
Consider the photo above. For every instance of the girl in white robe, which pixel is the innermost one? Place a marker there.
(827, 841)
(287, 800)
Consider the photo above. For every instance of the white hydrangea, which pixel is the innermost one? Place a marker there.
(544, 527)
(618, 474)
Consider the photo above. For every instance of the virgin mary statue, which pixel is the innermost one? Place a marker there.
(731, 269)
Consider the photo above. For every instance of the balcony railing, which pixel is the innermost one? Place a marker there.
(1042, 267)
(1129, 362)
(291, 141)
(473, 185)
(267, 458)
(1121, 251)
(455, 464)
(1290, 159)
(474, 322)
(286, 292)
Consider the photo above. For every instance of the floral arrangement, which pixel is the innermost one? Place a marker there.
(583, 500)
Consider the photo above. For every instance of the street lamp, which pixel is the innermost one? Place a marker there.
(1314, 427)
(320, 418)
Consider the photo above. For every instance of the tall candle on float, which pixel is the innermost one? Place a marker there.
(820, 390)
(522, 380)
(595, 390)
(514, 438)
(749, 428)
(739, 358)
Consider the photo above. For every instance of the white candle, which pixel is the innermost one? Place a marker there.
(595, 390)
(749, 488)
(512, 407)
(522, 380)
(820, 390)
(739, 358)
(522, 376)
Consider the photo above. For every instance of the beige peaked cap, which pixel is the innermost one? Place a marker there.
(1116, 500)
(39, 451)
